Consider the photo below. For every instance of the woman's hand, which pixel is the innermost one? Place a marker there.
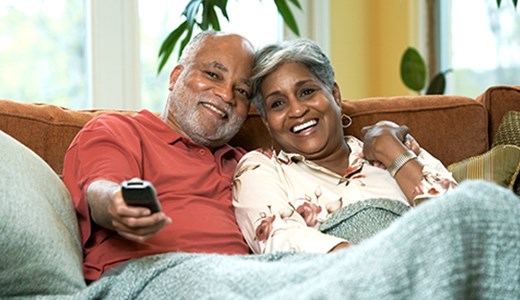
(384, 138)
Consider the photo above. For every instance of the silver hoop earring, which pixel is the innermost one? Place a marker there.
(349, 121)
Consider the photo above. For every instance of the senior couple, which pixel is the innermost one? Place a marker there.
(218, 199)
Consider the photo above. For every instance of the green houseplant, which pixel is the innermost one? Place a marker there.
(203, 14)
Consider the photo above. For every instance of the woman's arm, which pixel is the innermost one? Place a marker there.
(419, 175)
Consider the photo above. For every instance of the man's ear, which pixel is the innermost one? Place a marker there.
(174, 75)
(336, 93)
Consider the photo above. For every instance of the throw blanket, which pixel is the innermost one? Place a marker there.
(361, 220)
(465, 244)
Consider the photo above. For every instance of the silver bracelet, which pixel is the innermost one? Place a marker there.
(399, 161)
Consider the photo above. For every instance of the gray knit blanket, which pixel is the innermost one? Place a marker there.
(464, 245)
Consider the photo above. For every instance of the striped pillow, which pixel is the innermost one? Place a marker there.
(500, 165)
(509, 130)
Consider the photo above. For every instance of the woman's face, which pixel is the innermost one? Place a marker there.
(302, 116)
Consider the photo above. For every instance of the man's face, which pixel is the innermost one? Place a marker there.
(209, 98)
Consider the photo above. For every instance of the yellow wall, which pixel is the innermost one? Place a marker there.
(368, 38)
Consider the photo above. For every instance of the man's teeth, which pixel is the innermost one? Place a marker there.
(213, 108)
(304, 126)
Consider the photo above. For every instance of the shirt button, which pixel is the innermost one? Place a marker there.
(202, 152)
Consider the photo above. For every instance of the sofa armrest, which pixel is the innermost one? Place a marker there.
(498, 100)
(46, 129)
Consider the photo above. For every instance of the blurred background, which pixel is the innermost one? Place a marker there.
(86, 54)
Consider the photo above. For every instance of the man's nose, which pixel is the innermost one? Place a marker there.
(226, 93)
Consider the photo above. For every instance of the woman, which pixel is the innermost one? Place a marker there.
(284, 200)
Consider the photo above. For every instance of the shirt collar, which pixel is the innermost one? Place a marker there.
(170, 136)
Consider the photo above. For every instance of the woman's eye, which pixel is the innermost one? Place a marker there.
(307, 92)
(276, 103)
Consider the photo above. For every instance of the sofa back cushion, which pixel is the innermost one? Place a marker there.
(451, 128)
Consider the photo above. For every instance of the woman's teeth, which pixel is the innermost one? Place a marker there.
(304, 126)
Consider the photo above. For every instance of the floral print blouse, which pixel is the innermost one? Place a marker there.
(280, 200)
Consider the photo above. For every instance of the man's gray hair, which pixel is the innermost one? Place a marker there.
(195, 42)
(303, 51)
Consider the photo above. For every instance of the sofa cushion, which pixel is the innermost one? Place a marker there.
(39, 240)
(500, 165)
(439, 123)
(509, 130)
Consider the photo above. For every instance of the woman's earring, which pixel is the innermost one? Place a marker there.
(349, 121)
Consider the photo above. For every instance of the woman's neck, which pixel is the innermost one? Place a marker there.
(338, 161)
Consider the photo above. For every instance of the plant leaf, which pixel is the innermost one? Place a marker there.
(296, 3)
(499, 2)
(515, 2)
(437, 86)
(287, 16)
(169, 43)
(209, 15)
(191, 10)
(413, 70)
(222, 4)
(213, 19)
(185, 41)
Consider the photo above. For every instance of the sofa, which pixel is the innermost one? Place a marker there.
(458, 130)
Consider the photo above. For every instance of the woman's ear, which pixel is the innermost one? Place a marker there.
(336, 94)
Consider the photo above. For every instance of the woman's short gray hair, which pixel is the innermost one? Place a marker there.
(303, 51)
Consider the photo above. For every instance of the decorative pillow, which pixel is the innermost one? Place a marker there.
(509, 130)
(39, 236)
(361, 220)
(500, 165)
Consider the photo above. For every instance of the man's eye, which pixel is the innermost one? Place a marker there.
(244, 93)
(211, 74)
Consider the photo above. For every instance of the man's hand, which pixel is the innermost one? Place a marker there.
(108, 209)
(133, 222)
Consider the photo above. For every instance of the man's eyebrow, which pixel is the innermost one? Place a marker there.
(246, 82)
(219, 66)
(223, 68)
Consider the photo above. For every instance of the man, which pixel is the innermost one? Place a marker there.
(183, 153)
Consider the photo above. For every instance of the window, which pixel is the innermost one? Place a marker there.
(99, 53)
(480, 43)
(42, 52)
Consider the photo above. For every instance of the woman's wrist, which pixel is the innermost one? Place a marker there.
(400, 161)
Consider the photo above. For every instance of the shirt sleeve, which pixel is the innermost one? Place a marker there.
(105, 148)
(264, 214)
(436, 178)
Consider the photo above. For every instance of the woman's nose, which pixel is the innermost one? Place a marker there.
(296, 108)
